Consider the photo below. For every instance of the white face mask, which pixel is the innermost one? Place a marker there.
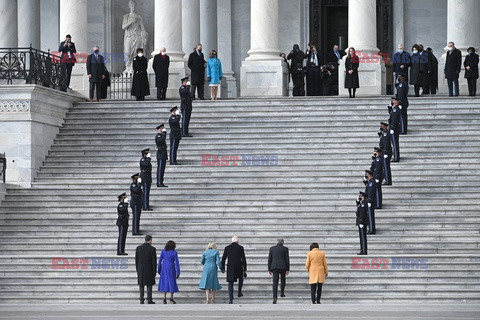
(188, 83)
(400, 50)
(139, 180)
(140, 54)
(415, 51)
(164, 53)
(149, 155)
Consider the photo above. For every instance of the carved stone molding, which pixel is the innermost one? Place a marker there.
(14, 106)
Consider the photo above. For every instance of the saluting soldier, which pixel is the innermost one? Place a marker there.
(402, 95)
(175, 134)
(146, 176)
(386, 145)
(370, 191)
(377, 169)
(362, 221)
(136, 194)
(395, 128)
(122, 223)
(185, 106)
(162, 157)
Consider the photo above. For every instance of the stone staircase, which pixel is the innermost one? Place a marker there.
(58, 239)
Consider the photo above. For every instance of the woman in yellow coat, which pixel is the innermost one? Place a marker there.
(317, 268)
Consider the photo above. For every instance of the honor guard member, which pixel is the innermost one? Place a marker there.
(146, 176)
(175, 134)
(370, 191)
(394, 128)
(402, 95)
(136, 203)
(162, 157)
(362, 221)
(185, 106)
(386, 145)
(377, 169)
(122, 223)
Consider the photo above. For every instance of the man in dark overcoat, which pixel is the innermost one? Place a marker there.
(146, 266)
(453, 65)
(197, 64)
(236, 267)
(96, 72)
(161, 63)
(471, 71)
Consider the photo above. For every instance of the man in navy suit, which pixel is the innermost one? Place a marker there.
(401, 63)
(278, 266)
(96, 72)
(67, 50)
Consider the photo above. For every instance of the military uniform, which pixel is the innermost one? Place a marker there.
(175, 135)
(395, 128)
(136, 194)
(370, 191)
(146, 175)
(377, 169)
(185, 107)
(162, 155)
(362, 221)
(386, 145)
(122, 223)
(402, 95)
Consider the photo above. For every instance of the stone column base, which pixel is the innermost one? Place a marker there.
(263, 78)
(371, 76)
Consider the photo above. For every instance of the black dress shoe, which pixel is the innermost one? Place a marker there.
(230, 302)
(177, 164)
(122, 254)
(149, 209)
(151, 302)
(189, 135)
(362, 253)
(163, 186)
(141, 302)
(274, 301)
(172, 301)
(282, 295)
(370, 232)
(164, 301)
(240, 294)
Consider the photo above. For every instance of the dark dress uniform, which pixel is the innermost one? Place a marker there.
(386, 145)
(140, 86)
(471, 60)
(402, 95)
(236, 267)
(296, 70)
(122, 223)
(161, 63)
(175, 136)
(395, 128)
(370, 191)
(162, 157)
(146, 175)
(136, 205)
(362, 222)
(377, 169)
(186, 108)
(146, 266)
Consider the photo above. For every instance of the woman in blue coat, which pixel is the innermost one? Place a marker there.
(210, 261)
(214, 73)
(169, 271)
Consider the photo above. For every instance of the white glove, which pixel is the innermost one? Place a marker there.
(369, 205)
(139, 180)
(385, 156)
(177, 112)
(126, 200)
(392, 132)
(400, 107)
(163, 130)
(149, 155)
(377, 181)
(360, 225)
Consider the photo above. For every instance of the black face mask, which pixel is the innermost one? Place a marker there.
(97, 51)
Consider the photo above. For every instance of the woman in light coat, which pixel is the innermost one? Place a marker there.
(211, 263)
(316, 265)
(214, 73)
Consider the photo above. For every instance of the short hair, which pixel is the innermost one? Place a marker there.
(139, 49)
(280, 240)
(212, 245)
(471, 49)
(68, 36)
(96, 46)
(170, 245)
(235, 239)
(415, 46)
(452, 43)
(148, 237)
(314, 245)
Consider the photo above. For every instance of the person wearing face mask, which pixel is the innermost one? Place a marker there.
(197, 64)
(394, 127)
(471, 71)
(214, 74)
(385, 144)
(140, 86)
(161, 63)
(362, 222)
(162, 154)
(351, 72)
(432, 75)
(146, 176)
(402, 95)
(296, 70)
(370, 191)
(313, 71)
(136, 195)
(122, 223)
(378, 174)
(334, 58)
(453, 65)
(416, 70)
(401, 63)
(96, 72)
(175, 134)
(185, 106)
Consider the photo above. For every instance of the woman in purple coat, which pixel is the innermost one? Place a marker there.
(169, 271)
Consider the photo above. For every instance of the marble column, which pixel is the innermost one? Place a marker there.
(463, 28)
(8, 24)
(208, 25)
(29, 33)
(398, 23)
(362, 35)
(190, 26)
(168, 34)
(224, 23)
(263, 73)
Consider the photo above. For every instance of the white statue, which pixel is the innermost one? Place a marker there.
(135, 35)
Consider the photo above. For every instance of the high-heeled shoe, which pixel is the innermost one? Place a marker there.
(172, 301)
(164, 301)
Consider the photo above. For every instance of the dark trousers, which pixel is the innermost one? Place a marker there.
(136, 213)
(350, 94)
(142, 293)
(278, 274)
(298, 84)
(173, 150)
(122, 236)
(230, 288)
(451, 83)
(387, 170)
(66, 75)
(161, 93)
(186, 114)
(417, 87)
(404, 121)
(316, 292)
(146, 194)
(472, 87)
(396, 146)
(378, 195)
(95, 86)
(200, 91)
(313, 81)
(362, 233)
(140, 98)
(371, 218)
(160, 170)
